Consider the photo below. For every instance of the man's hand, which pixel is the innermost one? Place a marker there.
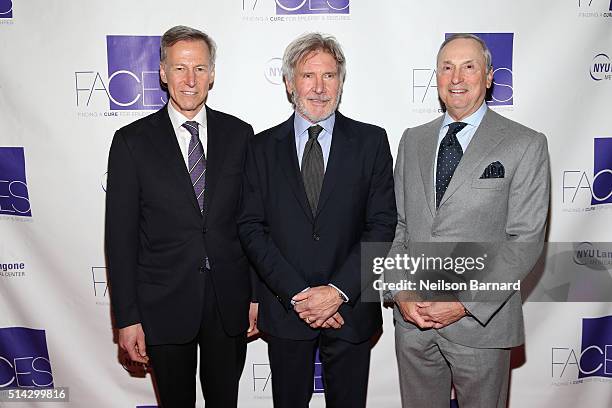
(316, 305)
(411, 312)
(334, 322)
(253, 330)
(132, 340)
(441, 313)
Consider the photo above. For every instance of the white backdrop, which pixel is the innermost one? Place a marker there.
(54, 103)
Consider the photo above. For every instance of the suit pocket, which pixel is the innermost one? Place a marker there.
(490, 183)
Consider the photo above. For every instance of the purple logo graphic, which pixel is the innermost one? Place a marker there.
(596, 349)
(500, 45)
(24, 359)
(602, 178)
(284, 7)
(6, 9)
(14, 198)
(133, 73)
(601, 68)
(318, 375)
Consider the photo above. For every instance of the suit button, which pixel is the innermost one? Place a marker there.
(205, 230)
(316, 237)
(202, 269)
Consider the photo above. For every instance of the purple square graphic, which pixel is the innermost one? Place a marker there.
(596, 350)
(133, 73)
(602, 171)
(6, 9)
(14, 199)
(284, 7)
(500, 45)
(318, 387)
(24, 359)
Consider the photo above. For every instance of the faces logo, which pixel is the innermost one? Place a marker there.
(578, 182)
(318, 375)
(14, 199)
(500, 45)
(133, 76)
(601, 68)
(98, 275)
(24, 359)
(262, 376)
(284, 7)
(6, 9)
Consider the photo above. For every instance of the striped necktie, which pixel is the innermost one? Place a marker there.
(196, 162)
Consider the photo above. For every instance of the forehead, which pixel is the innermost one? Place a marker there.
(462, 49)
(317, 58)
(193, 48)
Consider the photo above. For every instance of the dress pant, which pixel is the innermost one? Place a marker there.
(428, 364)
(345, 371)
(222, 360)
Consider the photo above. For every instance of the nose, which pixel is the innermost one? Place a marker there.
(319, 85)
(457, 76)
(190, 80)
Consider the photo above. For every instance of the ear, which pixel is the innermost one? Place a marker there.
(490, 78)
(162, 73)
(211, 76)
(288, 86)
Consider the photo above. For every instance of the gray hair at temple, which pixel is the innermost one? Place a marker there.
(485, 50)
(307, 43)
(184, 33)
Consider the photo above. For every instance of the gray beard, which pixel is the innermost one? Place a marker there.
(315, 119)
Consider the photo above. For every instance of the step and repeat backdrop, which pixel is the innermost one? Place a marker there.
(72, 72)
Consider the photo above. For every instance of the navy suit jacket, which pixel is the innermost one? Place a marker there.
(291, 249)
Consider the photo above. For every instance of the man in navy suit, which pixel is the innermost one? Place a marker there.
(178, 275)
(315, 187)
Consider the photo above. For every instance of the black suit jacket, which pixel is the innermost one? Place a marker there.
(156, 238)
(292, 250)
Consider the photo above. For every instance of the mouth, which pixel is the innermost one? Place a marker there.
(189, 93)
(457, 91)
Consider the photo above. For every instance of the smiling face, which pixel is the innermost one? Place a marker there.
(316, 86)
(188, 74)
(463, 77)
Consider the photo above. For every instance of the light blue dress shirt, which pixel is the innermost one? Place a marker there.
(464, 136)
(301, 125)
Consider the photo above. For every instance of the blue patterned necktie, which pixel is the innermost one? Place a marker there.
(196, 162)
(449, 155)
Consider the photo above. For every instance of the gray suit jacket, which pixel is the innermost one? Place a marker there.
(505, 210)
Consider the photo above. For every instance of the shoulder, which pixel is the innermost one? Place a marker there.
(226, 120)
(360, 128)
(515, 131)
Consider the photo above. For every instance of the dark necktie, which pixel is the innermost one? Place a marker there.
(196, 162)
(449, 155)
(312, 167)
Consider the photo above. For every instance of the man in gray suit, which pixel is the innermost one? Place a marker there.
(468, 176)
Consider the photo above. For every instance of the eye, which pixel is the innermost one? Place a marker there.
(329, 76)
(308, 76)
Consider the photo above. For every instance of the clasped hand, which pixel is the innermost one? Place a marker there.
(431, 314)
(318, 307)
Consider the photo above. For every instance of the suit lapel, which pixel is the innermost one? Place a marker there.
(487, 136)
(216, 148)
(340, 155)
(287, 159)
(428, 149)
(165, 142)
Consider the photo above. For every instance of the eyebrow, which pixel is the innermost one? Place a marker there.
(461, 63)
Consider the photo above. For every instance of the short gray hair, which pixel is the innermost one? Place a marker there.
(485, 50)
(307, 43)
(184, 33)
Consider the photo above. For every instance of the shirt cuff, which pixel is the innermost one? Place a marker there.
(345, 298)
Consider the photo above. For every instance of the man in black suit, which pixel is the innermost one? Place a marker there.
(178, 274)
(315, 187)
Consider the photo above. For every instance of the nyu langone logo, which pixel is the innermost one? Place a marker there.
(500, 45)
(14, 199)
(6, 9)
(24, 359)
(577, 183)
(601, 68)
(594, 358)
(274, 71)
(284, 7)
(133, 75)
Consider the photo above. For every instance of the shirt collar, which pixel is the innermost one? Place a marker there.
(473, 120)
(300, 124)
(178, 118)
